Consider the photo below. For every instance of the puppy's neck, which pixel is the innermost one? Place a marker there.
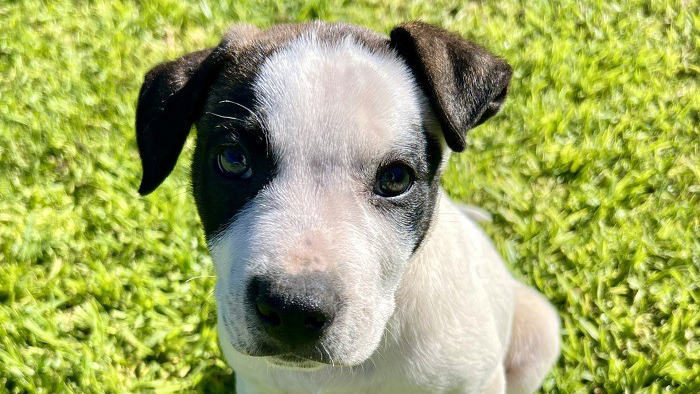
(441, 255)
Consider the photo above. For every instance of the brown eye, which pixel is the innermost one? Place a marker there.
(233, 163)
(393, 180)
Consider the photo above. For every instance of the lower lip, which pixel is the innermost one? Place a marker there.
(294, 362)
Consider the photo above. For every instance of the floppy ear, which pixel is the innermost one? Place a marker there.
(465, 83)
(171, 100)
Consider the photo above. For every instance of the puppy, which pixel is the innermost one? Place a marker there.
(341, 265)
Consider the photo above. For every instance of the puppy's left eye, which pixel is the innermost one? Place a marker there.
(393, 180)
(233, 162)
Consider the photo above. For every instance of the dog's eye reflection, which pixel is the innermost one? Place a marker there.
(393, 180)
(233, 162)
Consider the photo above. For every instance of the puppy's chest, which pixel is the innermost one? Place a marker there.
(350, 381)
(392, 374)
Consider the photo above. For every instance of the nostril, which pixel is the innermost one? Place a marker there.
(267, 315)
(315, 323)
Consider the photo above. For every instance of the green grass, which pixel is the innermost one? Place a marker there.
(592, 173)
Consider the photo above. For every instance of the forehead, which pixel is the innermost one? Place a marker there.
(337, 95)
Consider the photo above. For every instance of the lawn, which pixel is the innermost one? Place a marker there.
(591, 173)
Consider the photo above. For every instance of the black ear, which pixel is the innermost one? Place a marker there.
(465, 84)
(169, 102)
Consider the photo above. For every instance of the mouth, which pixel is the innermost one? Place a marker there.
(291, 361)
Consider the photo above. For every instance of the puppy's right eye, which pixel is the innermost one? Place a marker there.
(393, 180)
(232, 162)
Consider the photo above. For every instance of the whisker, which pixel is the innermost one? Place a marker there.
(172, 197)
(244, 107)
(330, 358)
(198, 277)
(373, 363)
(223, 116)
(257, 118)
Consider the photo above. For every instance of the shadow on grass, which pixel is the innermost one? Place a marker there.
(216, 380)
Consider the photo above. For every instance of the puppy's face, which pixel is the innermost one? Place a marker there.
(315, 175)
(332, 188)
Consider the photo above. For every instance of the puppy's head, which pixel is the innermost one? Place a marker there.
(316, 170)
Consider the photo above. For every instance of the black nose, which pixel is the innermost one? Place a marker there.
(296, 311)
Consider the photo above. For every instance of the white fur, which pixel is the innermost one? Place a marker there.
(438, 320)
(450, 331)
(355, 105)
